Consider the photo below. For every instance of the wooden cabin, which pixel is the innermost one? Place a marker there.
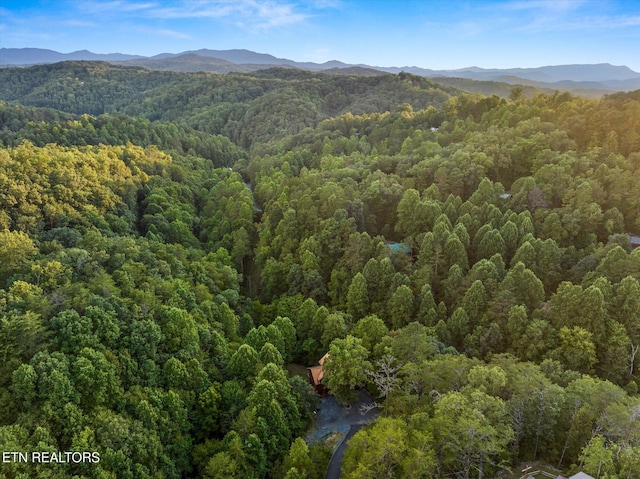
(315, 375)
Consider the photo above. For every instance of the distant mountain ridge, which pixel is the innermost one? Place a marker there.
(593, 77)
(247, 57)
(581, 72)
(34, 56)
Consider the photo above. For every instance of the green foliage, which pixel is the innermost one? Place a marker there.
(400, 307)
(371, 330)
(344, 368)
(246, 108)
(471, 431)
(390, 448)
(156, 276)
(358, 297)
(245, 363)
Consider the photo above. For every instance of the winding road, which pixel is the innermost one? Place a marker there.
(333, 471)
(332, 418)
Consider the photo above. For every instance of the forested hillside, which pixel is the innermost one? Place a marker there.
(247, 108)
(169, 243)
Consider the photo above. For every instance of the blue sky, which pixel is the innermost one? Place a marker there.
(428, 33)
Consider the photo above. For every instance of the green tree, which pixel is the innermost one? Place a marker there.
(629, 461)
(517, 322)
(15, 249)
(245, 363)
(525, 286)
(455, 253)
(372, 273)
(491, 243)
(574, 306)
(222, 466)
(300, 460)
(256, 337)
(475, 301)
(626, 307)
(614, 358)
(458, 327)
(576, 349)
(596, 459)
(358, 297)
(208, 409)
(275, 337)
(388, 449)
(413, 343)
(427, 309)
(95, 379)
(334, 327)
(345, 367)
(272, 426)
(288, 331)
(23, 385)
(471, 433)
(270, 354)
(371, 330)
(181, 333)
(401, 307)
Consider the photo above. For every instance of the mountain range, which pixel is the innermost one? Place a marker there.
(594, 78)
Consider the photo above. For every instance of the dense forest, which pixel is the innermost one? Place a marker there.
(170, 243)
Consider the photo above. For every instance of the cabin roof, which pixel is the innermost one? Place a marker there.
(581, 475)
(399, 247)
(316, 372)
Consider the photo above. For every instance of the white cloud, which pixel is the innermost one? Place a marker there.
(272, 15)
(322, 4)
(588, 23)
(608, 22)
(540, 16)
(196, 9)
(78, 23)
(112, 7)
(252, 14)
(543, 5)
(247, 13)
(167, 33)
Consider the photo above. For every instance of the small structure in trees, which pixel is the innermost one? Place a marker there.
(530, 473)
(315, 375)
(581, 475)
(399, 247)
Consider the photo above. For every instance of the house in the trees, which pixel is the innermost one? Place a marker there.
(399, 247)
(315, 375)
(538, 474)
(634, 241)
(580, 475)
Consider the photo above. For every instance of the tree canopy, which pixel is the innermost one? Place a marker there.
(170, 242)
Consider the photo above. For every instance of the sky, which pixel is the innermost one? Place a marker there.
(434, 34)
